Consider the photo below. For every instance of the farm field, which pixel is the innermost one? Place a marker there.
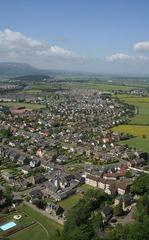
(138, 125)
(21, 104)
(87, 85)
(31, 91)
(135, 130)
(44, 228)
(99, 86)
(138, 143)
(142, 105)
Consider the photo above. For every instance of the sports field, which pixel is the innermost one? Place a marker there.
(44, 228)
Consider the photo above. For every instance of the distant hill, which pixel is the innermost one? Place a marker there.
(32, 77)
(18, 69)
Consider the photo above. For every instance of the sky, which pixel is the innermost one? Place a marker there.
(102, 36)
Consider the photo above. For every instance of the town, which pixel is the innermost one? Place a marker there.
(59, 150)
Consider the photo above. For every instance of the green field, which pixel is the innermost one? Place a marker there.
(138, 143)
(21, 104)
(135, 130)
(142, 105)
(72, 200)
(35, 232)
(99, 86)
(139, 124)
(31, 91)
(44, 228)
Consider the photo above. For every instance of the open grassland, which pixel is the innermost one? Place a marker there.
(139, 124)
(138, 143)
(99, 86)
(142, 106)
(44, 228)
(31, 91)
(83, 85)
(31, 106)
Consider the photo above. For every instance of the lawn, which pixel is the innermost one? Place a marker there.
(72, 200)
(32, 106)
(44, 228)
(35, 232)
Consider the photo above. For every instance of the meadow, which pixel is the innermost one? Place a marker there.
(32, 106)
(139, 124)
(142, 107)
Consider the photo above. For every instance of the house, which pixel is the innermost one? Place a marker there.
(48, 165)
(92, 180)
(123, 187)
(102, 184)
(126, 202)
(111, 190)
(35, 163)
(62, 159)
(16, 201)
(38, 179)
(79, 178)
(54, 209)
(23, 160)
(26, 169)
(106, 213)
(7, 176)
(35, 195)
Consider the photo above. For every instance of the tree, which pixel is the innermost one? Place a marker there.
(82, 215)
(96, 221)
(118, 210)
(128, 174)
(141, 185)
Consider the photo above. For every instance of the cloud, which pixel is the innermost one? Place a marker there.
(143, 58)
(142, 46)
(16, 45)
(117, 57)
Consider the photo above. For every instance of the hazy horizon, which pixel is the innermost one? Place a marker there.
(109, 37)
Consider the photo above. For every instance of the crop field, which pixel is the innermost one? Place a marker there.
(31, 91)
(138, 143)
(99, 86)
(135, 130)
(142, 105)
(138, 125)
(31, 106)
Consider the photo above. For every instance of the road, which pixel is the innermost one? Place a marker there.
(128, 218)
(46, 214)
